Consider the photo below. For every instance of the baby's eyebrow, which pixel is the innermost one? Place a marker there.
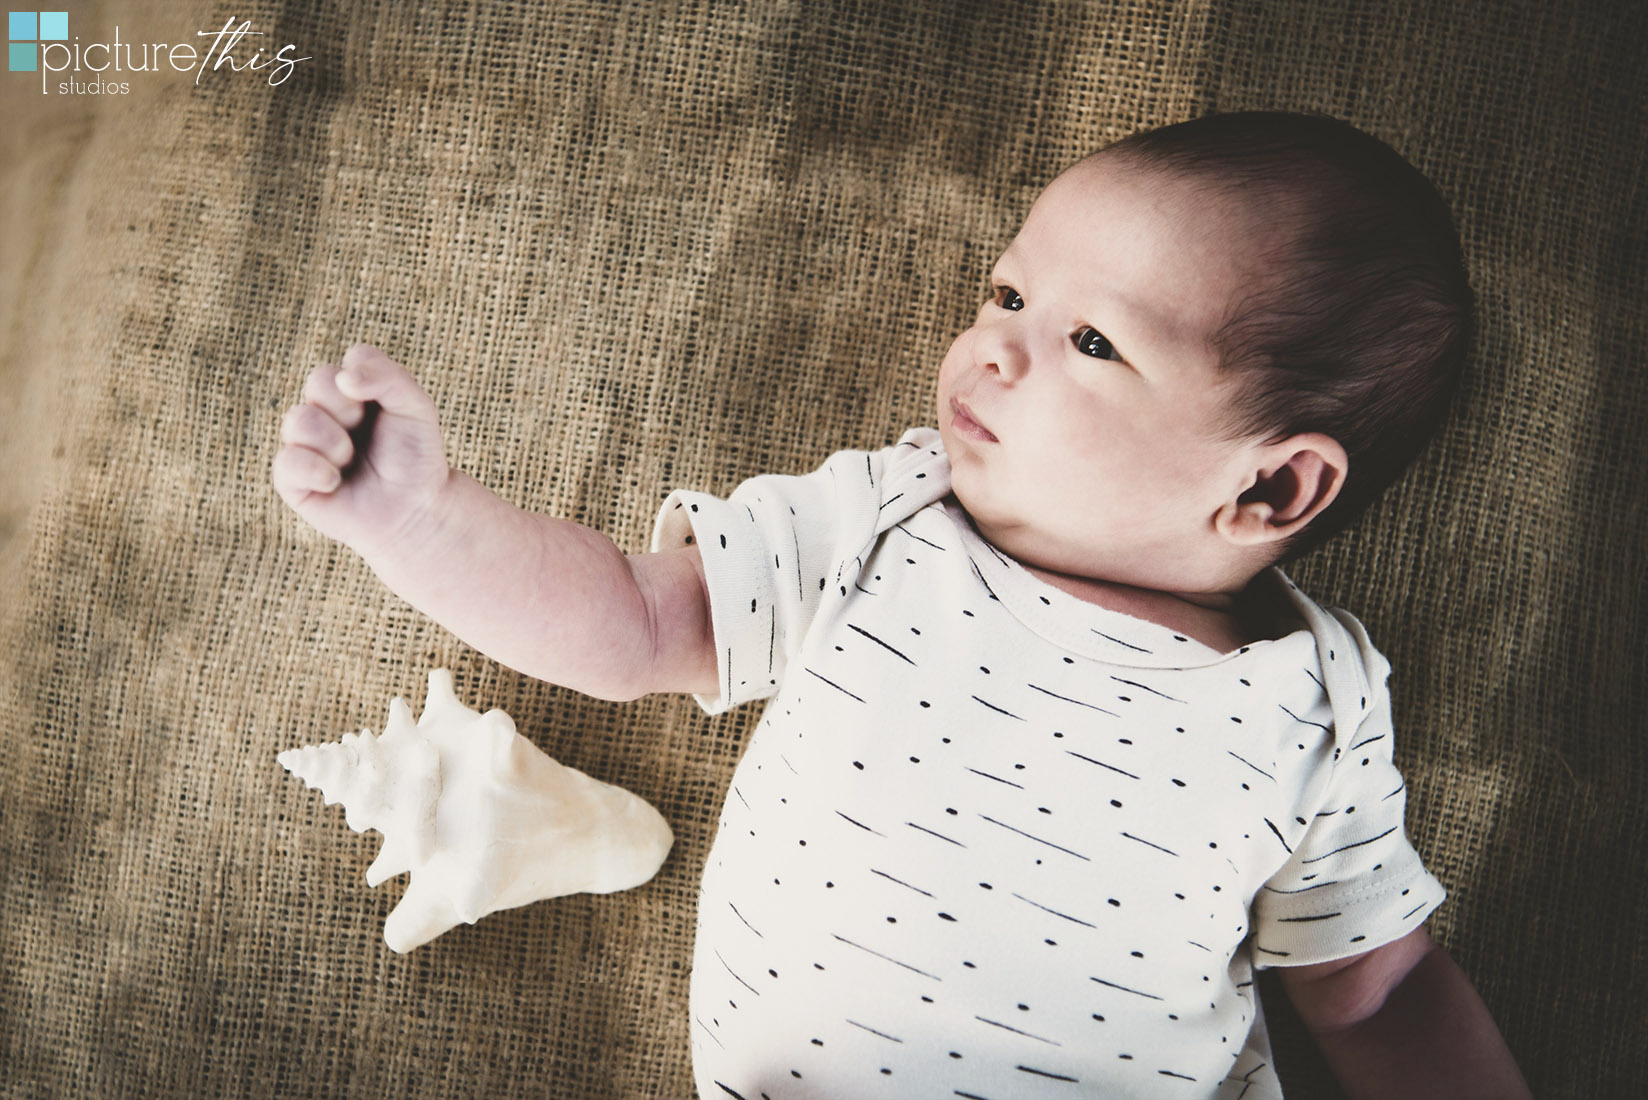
(1147, 313)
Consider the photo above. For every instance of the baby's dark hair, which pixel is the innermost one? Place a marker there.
(1360, 327)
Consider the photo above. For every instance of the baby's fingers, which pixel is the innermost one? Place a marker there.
(317, 430)
(367, 374)
(299, 472)
(321, 389)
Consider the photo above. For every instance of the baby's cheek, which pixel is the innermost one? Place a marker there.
(957, 356)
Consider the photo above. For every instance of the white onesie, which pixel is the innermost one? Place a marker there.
(991, 841)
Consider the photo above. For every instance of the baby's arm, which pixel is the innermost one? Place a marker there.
(362, 461)
(1403, 1021)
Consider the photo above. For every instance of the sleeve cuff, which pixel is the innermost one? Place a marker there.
(1320, 925)
(740, 582)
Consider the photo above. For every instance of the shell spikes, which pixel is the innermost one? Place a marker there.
(480, 816)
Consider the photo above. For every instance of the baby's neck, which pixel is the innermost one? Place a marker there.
(1217, 620)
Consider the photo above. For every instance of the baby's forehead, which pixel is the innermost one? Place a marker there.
(1117, 194)
(1159, 256)
(1181, 197)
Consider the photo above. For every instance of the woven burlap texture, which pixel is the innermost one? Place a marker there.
(633, 247)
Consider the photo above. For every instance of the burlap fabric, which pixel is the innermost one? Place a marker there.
(634, 247)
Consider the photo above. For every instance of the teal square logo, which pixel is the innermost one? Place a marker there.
(26, 29)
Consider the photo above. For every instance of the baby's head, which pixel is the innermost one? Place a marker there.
(1210, 346)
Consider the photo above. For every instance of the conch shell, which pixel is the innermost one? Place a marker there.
(479, 815)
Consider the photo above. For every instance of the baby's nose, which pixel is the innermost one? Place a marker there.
(1003, 355)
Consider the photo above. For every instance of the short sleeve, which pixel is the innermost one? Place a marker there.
(773, 549)
(1353, 881)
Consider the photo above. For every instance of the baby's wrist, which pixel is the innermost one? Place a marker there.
(427, 533)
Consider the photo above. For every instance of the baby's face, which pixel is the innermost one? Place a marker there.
(1081, 411)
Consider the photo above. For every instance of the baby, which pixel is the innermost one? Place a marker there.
(1056, 756)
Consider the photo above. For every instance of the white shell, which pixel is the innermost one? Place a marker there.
(482, 818)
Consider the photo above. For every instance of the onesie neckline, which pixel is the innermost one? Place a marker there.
(1083, 628)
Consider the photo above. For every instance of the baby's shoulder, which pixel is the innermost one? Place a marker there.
(909, 475)
(917, 456)
(918, 453)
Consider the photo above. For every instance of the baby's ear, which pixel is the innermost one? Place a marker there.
(1291, 481)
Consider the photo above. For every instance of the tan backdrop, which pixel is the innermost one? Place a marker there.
(629, 247)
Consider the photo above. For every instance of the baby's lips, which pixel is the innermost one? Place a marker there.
(966, 423)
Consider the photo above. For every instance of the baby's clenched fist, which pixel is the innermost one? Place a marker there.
(361, 459)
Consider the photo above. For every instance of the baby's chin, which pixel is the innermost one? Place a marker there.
(1015, 534)
(1002, 528)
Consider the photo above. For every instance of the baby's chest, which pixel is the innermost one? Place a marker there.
(935, 756)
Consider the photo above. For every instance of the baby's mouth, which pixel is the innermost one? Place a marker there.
(963, 423)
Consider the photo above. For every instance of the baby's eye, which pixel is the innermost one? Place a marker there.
(1008, 298)
(1090, 341)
